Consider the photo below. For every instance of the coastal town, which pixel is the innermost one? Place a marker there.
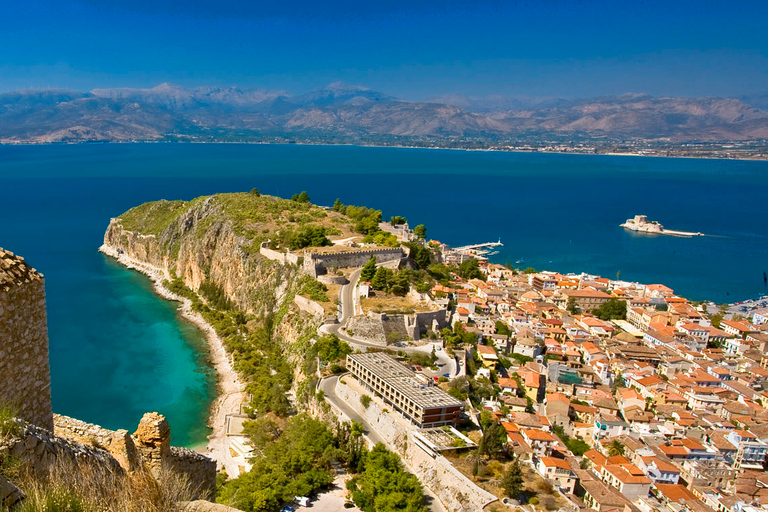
(360, 362)
(573, 391)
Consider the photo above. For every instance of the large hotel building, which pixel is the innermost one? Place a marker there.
(409, 393)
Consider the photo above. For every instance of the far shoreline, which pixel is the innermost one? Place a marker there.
(359, 145)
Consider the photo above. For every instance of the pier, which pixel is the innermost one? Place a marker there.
(480, 249)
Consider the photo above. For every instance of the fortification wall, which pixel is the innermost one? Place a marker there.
(148, 448)
(24, 370)
(199, 469)
(329, 279)
(318, 263)
(283, 257)
(384, 328)
(40, 448)
(118, 443)
(454, 490)
(367, 327)
(429, 320)
(309, 306)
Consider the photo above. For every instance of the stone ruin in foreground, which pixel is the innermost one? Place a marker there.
(44, 438)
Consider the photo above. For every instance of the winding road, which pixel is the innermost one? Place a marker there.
(347, 306)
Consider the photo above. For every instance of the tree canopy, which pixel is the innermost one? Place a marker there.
(470, 269)
(612, 309)
(369, 270)
(303, 197)
(383, 485)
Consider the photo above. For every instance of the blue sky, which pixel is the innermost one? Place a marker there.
(409, 49)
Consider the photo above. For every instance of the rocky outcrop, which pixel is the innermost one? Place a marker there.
(9, 494)
(201, 245)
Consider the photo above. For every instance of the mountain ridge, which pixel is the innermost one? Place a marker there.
(342, 111)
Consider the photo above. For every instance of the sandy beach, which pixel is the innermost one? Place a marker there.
(231, 391)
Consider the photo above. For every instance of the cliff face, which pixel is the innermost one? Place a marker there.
(200, 244)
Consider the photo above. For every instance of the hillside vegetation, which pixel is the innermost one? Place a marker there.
(209, 247)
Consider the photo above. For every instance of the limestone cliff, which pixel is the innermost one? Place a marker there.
(208, 250)
(201, 243)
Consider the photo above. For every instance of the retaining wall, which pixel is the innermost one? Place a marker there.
(309, 306)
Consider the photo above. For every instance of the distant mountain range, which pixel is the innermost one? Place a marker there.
(341, 112)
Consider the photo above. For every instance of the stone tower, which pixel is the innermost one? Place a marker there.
(25, 379)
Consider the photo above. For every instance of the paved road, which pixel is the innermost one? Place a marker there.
(328, 386)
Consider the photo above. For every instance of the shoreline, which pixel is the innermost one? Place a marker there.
(230, 391)
(352, 144)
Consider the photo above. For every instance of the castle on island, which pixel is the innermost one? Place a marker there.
(641, 224)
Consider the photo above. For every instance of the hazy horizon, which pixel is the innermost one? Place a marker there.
(519, 49)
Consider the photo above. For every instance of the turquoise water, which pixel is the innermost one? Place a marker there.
(118, 351)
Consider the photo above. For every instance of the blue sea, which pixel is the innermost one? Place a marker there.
(118, 351)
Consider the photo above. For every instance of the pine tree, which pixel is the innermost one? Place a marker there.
(382, 279)
(512, 482)
(369, 270)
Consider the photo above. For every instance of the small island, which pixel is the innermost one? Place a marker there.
(642, 224)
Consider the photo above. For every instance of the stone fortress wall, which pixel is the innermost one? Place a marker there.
(318, 263)
(24, 370)
(149, 448)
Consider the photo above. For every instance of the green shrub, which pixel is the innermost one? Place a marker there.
(365, 401)
(315, 290)
(8, 425)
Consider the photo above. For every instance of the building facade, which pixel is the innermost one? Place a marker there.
(411, 394)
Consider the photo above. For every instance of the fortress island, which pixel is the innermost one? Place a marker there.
(643, 225)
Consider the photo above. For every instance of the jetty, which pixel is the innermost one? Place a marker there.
(485, 249)
(641, 224)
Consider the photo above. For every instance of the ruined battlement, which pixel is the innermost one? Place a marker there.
(14, 271)
(25, 378)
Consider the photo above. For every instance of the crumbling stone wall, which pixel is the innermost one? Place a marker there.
(148, 448)
(24, 370)
(153, 443)
(40, 448)
(118, 443)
